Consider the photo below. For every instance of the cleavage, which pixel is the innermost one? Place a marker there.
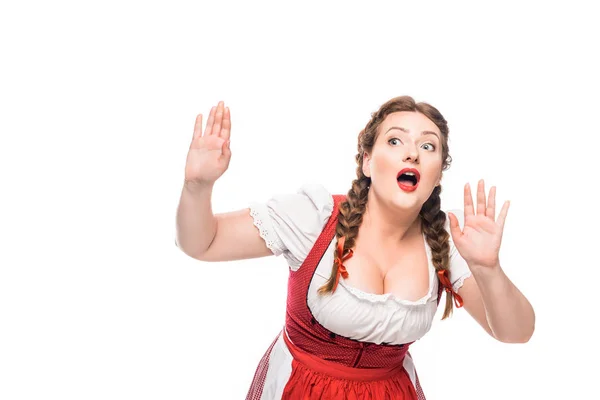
(405, 276)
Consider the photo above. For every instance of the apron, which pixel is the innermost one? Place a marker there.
(325, 365)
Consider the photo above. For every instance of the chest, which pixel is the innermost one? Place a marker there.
(406, 274)
(371, 316)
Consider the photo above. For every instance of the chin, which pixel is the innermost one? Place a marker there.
(406, 201)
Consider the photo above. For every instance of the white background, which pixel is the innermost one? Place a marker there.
(98, 103)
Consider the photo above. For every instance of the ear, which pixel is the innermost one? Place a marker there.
(366, 165)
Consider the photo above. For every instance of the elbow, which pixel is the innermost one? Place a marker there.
(188, 252)
(528, 335)
(519, 331)
(517, 339)
(521, 337)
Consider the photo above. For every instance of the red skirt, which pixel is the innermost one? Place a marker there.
(315, 378)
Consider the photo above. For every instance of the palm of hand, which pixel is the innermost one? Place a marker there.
(209, 154)
(206, 159)
(480, 239)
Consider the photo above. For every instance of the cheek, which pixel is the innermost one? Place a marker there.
(383, 163)
(433, 171)
(380, 171)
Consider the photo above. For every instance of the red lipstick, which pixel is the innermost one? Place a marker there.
(408, 187)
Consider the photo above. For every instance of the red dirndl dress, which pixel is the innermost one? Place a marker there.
(327, 366)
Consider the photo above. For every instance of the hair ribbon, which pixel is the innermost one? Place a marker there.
(339, 261)
(443, 277)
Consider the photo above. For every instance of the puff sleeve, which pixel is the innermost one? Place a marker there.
(291, 223)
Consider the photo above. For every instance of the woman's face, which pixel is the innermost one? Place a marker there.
(405, 164)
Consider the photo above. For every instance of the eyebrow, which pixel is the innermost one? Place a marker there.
(408, 131)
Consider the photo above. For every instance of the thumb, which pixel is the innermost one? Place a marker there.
(225, 150)
(454, 226)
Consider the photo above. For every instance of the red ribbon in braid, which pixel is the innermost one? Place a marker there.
(443, 276)
(339, 259)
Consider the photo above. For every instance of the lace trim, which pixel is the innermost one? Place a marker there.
(382, 298)
(264, 232)
(461, 281)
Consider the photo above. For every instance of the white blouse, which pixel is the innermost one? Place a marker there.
(290, 225)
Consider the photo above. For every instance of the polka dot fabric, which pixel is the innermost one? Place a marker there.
(260, 375)
(312, 341)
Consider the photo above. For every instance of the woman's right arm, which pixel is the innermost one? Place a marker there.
(222, 237)
(201, 234)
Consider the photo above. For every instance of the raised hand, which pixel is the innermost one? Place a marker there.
(479, 241)
(209, 153)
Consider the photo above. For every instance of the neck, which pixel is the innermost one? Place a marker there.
(384, 225)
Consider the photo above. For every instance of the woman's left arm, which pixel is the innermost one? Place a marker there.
(490, 297)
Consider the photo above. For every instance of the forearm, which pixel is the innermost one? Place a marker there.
(196, 224)
(508, 312)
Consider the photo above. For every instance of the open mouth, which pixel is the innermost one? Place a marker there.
(408, 179)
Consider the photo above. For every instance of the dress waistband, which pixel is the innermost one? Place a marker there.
(337, 370)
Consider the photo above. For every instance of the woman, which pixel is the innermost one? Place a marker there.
(367, 270)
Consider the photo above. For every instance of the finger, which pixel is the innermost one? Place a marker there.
(503, 213)
(468, 201)
(210, 122)
(225, 151)
(226, 130)
(490, 211)
(197, 128)
(218, 120)
(454, 227)
(480, 198)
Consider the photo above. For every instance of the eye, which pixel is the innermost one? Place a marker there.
(431, 147)
(394, 141)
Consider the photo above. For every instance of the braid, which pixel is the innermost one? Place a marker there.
(433, 220)
(353, 208)
(350, 217)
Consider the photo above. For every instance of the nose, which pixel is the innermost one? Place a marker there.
(411, 155)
